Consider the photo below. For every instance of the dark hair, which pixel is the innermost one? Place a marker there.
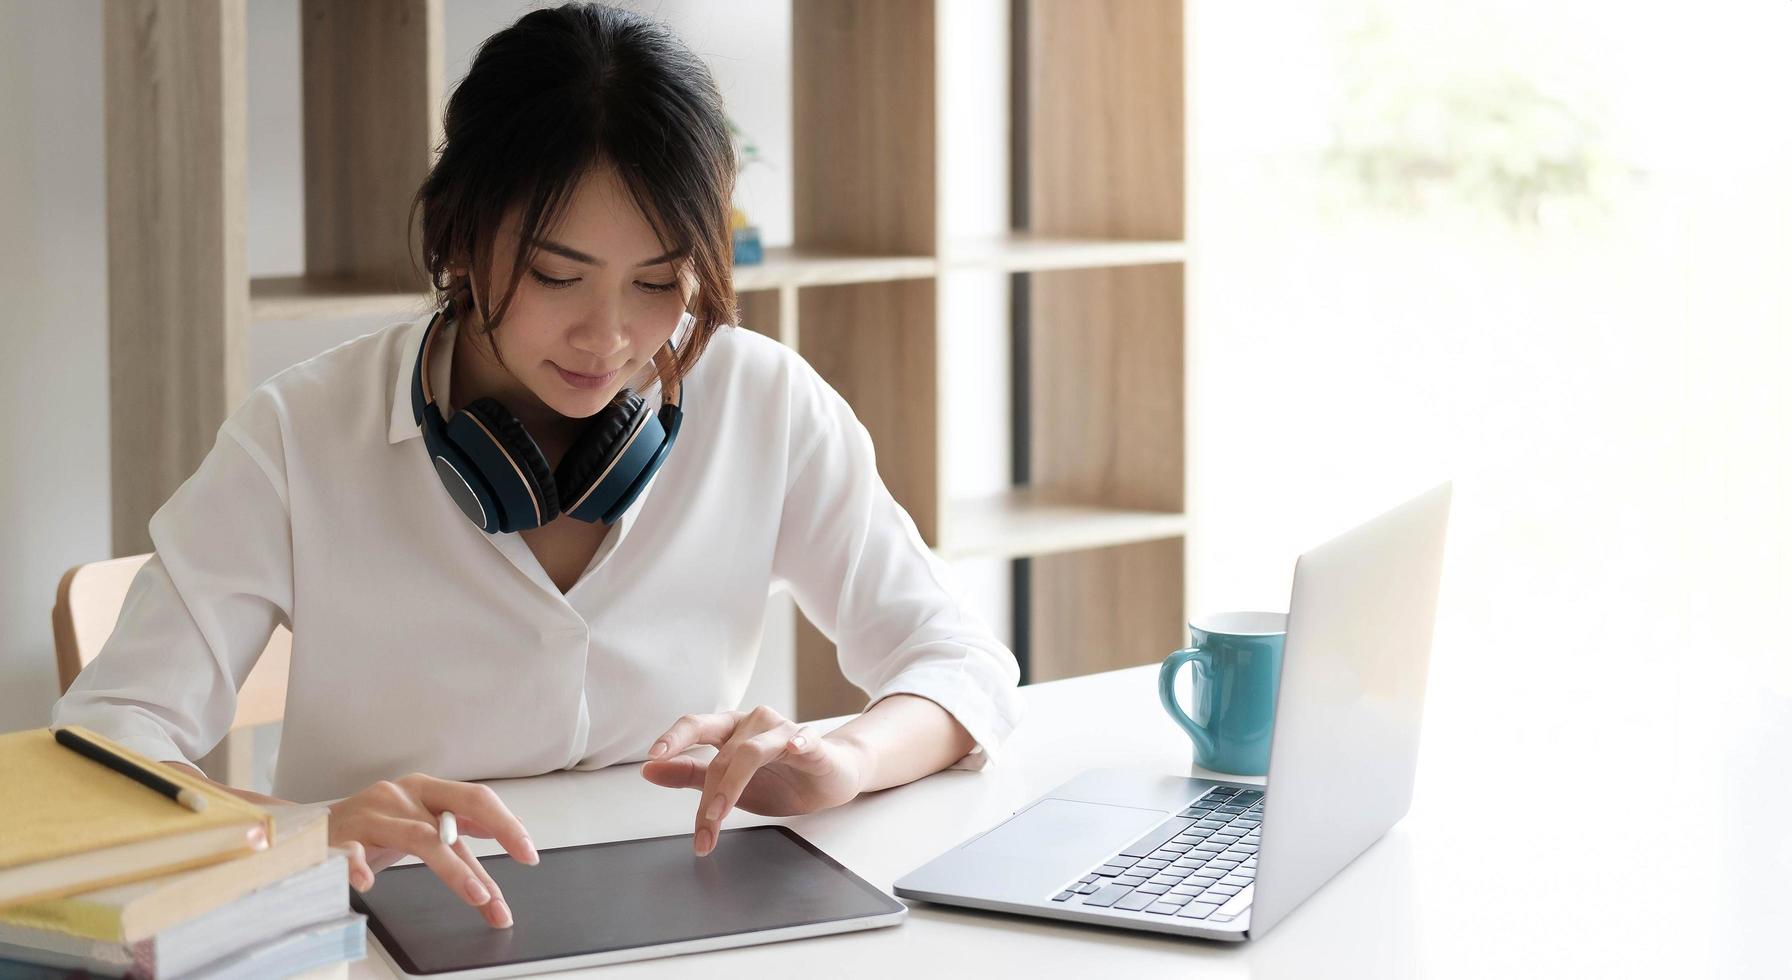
(547, 99)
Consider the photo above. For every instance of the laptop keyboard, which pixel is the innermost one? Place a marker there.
(1199, 864)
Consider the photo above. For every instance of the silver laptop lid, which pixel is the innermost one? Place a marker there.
(1346, 738)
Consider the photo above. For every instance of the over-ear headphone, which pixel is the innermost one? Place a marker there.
(498, 476)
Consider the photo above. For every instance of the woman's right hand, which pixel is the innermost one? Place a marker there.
(391, 819)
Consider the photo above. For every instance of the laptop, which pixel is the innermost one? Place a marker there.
(1226, 860)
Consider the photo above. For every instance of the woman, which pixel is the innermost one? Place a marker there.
(576, 229)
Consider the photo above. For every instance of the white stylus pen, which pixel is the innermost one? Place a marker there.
(446, 824)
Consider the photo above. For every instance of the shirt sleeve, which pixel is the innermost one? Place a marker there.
(860, 572)
(199, 613)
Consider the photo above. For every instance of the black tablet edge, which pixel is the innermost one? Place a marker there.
(402, 959)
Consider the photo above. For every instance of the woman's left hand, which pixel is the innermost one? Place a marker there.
(764, 763)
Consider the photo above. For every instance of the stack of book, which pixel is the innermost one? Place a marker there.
(112, 865)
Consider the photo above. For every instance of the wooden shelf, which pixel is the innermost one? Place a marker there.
(1022, 252)
(319, 298)
(1019, 252)
(1106, 608)
(323, 298)
(1028, 522)
(787, 266)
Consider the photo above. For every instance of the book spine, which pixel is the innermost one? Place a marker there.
(71, 916)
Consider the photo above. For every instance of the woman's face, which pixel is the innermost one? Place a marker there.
(599, 300)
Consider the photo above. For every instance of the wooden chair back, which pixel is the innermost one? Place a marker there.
(88, 601)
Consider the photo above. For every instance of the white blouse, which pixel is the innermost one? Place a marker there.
(423, 644)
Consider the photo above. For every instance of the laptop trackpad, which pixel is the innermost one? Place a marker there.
(1043, 845)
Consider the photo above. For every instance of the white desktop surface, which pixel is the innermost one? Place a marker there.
(1502, 871)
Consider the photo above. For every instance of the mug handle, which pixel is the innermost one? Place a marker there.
(1201, 661)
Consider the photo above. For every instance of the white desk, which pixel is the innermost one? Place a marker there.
(1476, 881)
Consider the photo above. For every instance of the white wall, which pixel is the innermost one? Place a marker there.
(55, 481)
(53, 264)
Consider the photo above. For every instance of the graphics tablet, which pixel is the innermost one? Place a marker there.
(623, 900)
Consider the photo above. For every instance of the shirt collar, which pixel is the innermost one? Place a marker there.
(403, 426)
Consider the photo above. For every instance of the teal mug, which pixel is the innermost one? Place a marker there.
(1236, 658)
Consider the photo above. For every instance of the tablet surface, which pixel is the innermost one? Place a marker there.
(623, 900)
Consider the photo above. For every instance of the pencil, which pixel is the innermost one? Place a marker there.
(119, 764)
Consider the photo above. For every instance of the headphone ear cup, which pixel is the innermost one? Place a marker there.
(596, 447)
(460, 477)
(520, 447)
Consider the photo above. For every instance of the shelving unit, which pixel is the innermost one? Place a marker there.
(1100, 248)
(1099, 258)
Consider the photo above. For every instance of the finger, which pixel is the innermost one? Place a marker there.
(481, 804)
(753, 724)
(747, 759)
(381, 858)
(351, 832)
(678, 772)
(497, 912)
(729, 773)
(801, 750)
(360, 873)
(469, 827)
(420, 838)
(705, 729)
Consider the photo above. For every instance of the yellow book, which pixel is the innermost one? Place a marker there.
(138, 910)
(70, 824)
